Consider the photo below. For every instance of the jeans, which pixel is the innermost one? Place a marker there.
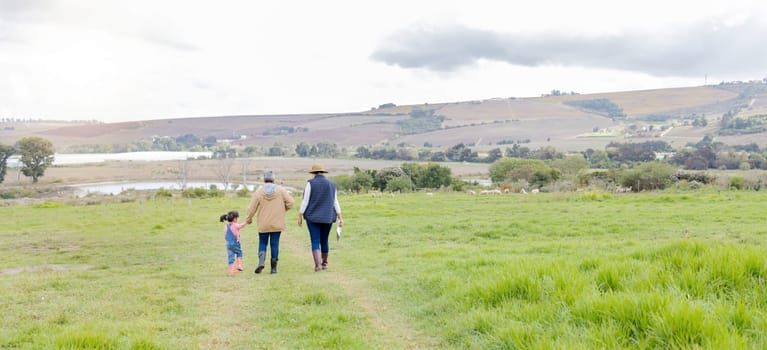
(233, 249)
(318, 234)
(263, 240)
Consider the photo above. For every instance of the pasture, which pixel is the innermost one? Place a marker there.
(562, 270)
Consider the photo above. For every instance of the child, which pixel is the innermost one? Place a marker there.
(232, 236)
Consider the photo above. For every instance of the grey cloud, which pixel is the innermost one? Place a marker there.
(693, 51)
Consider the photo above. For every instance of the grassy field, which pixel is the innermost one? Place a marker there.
(566, 271)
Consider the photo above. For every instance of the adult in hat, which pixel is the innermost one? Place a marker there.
(269, 204)
(320, 209)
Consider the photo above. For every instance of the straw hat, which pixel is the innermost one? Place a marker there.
(318, 168)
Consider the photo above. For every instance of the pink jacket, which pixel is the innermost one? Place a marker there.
(235, 229)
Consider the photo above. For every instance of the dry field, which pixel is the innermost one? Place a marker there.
(545, 121)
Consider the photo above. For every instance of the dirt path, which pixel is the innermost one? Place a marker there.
(393, 328)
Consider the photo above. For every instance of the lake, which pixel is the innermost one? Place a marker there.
(82, 158)
(117, 188)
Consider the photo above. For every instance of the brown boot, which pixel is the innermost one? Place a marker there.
(317, 260)
(324, 261)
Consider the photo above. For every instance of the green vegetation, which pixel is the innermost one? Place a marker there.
(576, 271)
(36, 156)
(536, 172)
(5, 153)
(732, 125)
(600, 105)
(421, 121)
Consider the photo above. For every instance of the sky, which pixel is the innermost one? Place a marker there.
(134, 60)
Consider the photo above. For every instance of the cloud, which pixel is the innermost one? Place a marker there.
(22, 10)
(167, 40)
(701, 48)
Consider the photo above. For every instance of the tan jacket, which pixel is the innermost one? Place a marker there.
(269, 203)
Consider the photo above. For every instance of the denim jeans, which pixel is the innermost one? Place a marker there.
(318, 234)
(264, 238)
(233, 249)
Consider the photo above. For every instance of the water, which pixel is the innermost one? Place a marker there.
(117, 188)
(82, 158)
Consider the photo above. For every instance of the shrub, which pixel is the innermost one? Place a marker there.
(535, 171)
(194, 193)
(399, 184)
(649, 176)
(243, 192)
(163, 193)
(50, 205)
(737, 182)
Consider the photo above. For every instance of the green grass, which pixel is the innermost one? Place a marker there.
(651, 270)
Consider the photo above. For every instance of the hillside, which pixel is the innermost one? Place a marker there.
(567, 122)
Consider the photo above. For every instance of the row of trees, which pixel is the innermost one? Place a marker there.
(36, 156)
(406, 178)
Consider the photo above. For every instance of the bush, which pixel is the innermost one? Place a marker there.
(737, 183)
(649, 176)
(399, 184)
(243, 192)
(50, 205)
(534, 171)
(194, 193)
(163, 193)
(343, 182)
(700, 177)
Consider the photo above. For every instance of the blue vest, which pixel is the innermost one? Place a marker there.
(321, 198)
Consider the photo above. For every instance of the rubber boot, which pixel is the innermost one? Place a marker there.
(232, 270)
(274, 265)
(261, 258)
(239, 264)
(324, 261)
(317, 260)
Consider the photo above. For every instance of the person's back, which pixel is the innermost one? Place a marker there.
(320, 206)
(272, 202)
(269, 204)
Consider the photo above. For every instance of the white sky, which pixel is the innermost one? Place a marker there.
(151, 59)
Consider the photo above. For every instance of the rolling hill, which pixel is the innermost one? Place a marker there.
(560, 121)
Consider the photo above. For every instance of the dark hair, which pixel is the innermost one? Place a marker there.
(230, 216)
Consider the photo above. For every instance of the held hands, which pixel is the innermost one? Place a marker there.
(249, 221)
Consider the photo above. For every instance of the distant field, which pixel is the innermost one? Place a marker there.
(657, 101)
(546, 121)
(449, 271)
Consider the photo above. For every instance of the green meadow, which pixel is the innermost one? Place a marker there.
(589, 270)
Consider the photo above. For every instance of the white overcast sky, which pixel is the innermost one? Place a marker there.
(151, 59)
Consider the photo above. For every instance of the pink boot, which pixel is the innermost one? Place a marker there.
(232, 271)
(239, 264)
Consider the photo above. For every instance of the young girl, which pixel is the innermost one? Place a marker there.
(232, 236)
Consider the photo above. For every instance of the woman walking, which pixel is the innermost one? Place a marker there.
(269, 203)
(320, 208)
